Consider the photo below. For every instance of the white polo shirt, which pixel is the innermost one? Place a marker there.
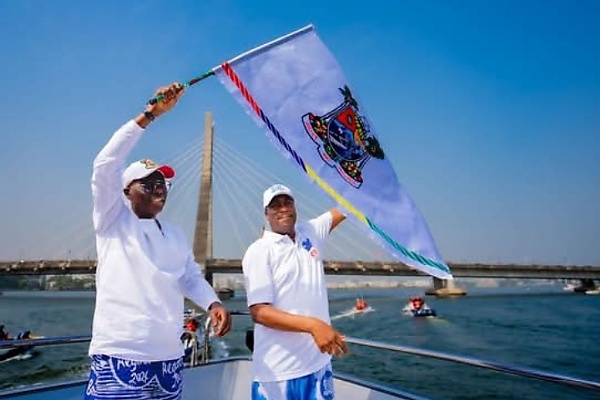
(143, 271)
(289, 275)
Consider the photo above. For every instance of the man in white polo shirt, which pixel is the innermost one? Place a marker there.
(145, 268)
(287, 297)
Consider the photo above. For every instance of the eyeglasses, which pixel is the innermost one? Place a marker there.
(151, 187)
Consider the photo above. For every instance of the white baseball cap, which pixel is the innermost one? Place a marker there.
(142, 168)
(273, 191)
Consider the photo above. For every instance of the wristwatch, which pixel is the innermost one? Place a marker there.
(149, 115)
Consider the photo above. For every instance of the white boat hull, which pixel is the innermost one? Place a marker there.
(222, 380)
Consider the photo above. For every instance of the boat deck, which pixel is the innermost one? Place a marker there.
(223, 380)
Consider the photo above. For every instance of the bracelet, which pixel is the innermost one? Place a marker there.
(149, 115)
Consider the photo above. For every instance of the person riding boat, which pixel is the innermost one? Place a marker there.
(189, 337)
(24, 335)
(417, 303)
(417, 307)
(361, 304)
(191, 325)
(4, 335)
(191, 328)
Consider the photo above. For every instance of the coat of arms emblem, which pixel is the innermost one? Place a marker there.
(343, 138)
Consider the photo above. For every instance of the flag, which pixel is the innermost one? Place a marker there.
(296, 90)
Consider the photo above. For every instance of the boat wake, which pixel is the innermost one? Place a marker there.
(20, 357)
(351, 313)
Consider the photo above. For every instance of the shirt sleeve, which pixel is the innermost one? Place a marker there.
(107, 175)
(195, 287)
(322, 225)
(258, 275)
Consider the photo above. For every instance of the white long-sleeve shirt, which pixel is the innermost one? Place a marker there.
(143, 273)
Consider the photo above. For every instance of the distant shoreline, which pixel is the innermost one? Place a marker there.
(240, 293)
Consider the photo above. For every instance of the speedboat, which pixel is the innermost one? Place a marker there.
(569, 286)
(422, 312)
(191, 347)
(352, 312)
(361, 307)
(18, 352)
(362, 310)
(192, 337)
(230, 378)
(416, 307)
(13, 353)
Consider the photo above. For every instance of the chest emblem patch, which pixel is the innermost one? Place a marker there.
(308, 246)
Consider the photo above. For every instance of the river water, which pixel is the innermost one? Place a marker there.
(539, 327)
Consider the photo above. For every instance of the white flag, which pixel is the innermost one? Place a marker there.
(296, 90)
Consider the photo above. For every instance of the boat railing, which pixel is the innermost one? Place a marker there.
(479, 363)
(490, 365)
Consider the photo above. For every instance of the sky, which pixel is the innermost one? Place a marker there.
(489, 110)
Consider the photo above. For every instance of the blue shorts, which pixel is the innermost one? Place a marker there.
(115, 378)
(316, 386)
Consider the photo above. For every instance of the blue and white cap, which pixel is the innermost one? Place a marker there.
(273, 191)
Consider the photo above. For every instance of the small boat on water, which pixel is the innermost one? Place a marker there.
(189, 338)
(416, 307)
(361, 305)
(17, 352)
(584, 286)
(352, 312)
(194, 334)
(569, 286)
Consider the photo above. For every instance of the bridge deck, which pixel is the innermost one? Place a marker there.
(215, 266)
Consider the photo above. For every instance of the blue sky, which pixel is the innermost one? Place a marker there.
(490, 109)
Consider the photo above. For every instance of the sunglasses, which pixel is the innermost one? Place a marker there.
(150, 187)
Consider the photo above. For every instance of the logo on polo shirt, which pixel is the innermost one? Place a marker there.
(307, 244)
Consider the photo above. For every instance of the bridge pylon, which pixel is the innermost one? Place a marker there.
(445, 288)
(203, 234)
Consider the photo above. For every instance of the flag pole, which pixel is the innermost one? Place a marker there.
(189, 83)
(265, 46)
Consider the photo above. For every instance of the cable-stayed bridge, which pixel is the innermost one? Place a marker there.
(222, 210)
(228, 266)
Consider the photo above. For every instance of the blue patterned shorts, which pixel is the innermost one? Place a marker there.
(115, 378)
(316, 386)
